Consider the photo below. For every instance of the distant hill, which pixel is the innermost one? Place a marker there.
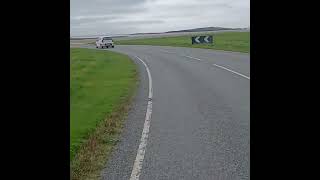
(178, 31)
(204, 29)
(192, 30)
(144, 33)
(95, 37)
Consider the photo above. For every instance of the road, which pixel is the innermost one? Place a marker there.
(200, 122)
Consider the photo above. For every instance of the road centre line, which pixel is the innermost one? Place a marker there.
(232, 71)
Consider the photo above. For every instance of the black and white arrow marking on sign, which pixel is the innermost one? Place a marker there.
(206, 39)
(197, 39)
(202, 40)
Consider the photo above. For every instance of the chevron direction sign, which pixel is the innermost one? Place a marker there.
(202, 39)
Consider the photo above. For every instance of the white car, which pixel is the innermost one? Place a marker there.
(104, 41)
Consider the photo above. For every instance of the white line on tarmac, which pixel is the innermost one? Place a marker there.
(214, 65)
(231, 71)
(193, 58)
(137, 166)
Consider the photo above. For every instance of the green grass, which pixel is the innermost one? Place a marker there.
(228, 41)
(101, 87)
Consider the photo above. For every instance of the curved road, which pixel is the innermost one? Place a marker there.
(200, 124)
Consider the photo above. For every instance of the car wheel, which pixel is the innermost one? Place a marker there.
(112, 46)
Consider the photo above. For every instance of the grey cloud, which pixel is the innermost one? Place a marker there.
(130, 16)
(137, 22)
(92, 7)
(90, 19)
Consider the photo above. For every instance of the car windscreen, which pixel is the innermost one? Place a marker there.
(107, 38)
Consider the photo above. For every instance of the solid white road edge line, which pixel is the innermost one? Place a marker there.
(137, 166)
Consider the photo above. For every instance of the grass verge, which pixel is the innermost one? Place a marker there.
(101, 89)
(228, 41)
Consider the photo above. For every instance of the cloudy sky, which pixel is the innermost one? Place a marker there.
(111, 17)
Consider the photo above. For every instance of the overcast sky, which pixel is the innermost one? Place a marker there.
(111, 17)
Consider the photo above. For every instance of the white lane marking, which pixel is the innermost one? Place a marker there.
(193, 58)
(75, 43)
(137, 166)
(181, 55)
(166, 51)
(231, 71)
(215, 65)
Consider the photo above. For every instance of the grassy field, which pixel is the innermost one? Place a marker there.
(229, 41)
(101, 87)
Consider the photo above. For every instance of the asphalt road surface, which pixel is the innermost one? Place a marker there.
(200, 122)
